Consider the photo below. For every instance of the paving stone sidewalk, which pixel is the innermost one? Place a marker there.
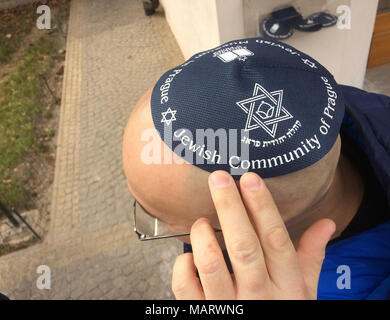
(114, 54)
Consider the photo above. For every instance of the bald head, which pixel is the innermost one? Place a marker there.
(177, 192)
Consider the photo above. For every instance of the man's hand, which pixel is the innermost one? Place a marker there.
(263, 258)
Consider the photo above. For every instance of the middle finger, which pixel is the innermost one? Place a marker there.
(241, 240)
(275, 241)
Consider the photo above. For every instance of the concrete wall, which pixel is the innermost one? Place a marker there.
(344, 52)
(203, 24)
(194, 24)
(230, 20)
(199, 25)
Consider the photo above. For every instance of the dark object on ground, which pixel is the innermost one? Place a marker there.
(4, 210)
(323, 18)
(9, 214)
(276, 29)
(282, 22)
(3, 297)
(286, 14)
(305, 25)
(150, 6)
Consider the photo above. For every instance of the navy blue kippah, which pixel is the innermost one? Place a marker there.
(249, 105)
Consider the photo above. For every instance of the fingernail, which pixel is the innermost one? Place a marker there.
(219, 179)
(251, 181)
(200, 221)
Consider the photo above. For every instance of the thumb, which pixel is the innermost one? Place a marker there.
(311, 251)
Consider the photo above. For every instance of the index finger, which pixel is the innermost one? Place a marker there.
(241, 240)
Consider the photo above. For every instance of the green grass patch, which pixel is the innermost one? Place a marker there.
(20, 111)
(15, 26)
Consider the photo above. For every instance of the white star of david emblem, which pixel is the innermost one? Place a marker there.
(171, 118)
(269, 111)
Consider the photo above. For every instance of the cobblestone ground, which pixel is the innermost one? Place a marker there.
(114, 54)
